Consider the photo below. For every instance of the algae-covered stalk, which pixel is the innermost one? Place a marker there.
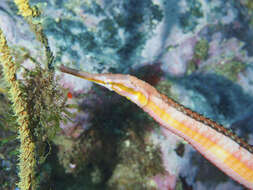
(29, 13)
(27, 161)
(25, 9)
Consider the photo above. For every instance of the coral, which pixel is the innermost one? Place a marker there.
(27, 148)
(66, 153)
(97, 34)
(136, 168)
(189, 19)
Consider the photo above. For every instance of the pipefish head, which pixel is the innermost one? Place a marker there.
(126, 85)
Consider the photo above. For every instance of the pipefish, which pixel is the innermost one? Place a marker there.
(221, 147)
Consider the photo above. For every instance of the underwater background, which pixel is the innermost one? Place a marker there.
(199, 52)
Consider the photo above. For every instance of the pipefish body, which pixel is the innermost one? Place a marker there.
(224, 149)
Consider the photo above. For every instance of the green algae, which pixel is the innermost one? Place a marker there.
(191, 67)
(8, 159)
(249, 5)
(231, 69)
(201, 49)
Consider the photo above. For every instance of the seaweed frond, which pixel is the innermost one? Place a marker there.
(46, 104)
(27, 162)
